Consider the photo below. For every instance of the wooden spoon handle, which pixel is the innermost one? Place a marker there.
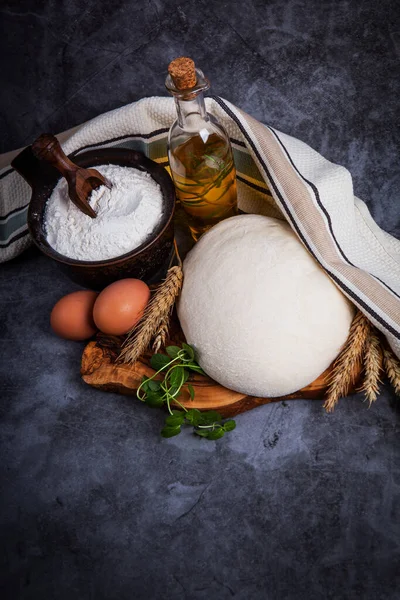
(47, 147)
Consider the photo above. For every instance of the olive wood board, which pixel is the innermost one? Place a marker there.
(100, 370)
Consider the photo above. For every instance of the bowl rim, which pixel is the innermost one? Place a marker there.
(94, 158)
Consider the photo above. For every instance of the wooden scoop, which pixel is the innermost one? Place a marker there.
(81, 182)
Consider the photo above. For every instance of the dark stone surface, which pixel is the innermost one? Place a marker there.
(295, 504)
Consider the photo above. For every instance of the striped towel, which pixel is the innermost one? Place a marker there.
(278, 176)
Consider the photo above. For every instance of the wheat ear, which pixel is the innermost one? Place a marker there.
(155, 315)
(160, 336)
(345, 366)
(372, 367)
(392, 368)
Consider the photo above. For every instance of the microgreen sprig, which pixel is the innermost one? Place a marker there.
(176, 367)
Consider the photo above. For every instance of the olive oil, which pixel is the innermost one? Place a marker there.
(205, 181)
(199, 152)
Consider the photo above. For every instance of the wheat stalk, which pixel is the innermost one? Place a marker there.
(345, 366)
(392, 368)
(155, 315)
(160, 336)
(372, 366)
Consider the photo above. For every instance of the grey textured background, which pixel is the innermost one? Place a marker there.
(295, 504)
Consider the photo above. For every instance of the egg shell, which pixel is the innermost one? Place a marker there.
(72, 316)
(120, 306)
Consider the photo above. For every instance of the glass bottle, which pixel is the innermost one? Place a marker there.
(199, 152)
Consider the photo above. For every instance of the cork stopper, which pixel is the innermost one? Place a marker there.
(183, 73)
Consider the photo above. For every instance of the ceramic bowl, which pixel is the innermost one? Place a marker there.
(148, 262)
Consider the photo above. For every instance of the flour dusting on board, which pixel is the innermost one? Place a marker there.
(126, 216)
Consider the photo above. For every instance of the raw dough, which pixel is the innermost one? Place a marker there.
(264, 318)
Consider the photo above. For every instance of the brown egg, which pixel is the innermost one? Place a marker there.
(120, 306)
(72, 316)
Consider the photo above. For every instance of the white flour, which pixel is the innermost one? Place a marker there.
(126, 216)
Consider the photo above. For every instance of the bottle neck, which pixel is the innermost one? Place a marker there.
(191, 112)
(189, 102)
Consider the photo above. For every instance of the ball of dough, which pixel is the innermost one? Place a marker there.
(264, 318)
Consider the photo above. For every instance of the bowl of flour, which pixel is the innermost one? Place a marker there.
(132, 234)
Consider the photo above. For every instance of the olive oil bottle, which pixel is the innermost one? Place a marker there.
(199, 152)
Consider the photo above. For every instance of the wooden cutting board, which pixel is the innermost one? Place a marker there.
(100, 370)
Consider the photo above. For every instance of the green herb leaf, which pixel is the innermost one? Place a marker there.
(153, 386)
(191, 391)
(176, 413)
(168, 431)
(145, 387)
(173, 390)
(159, 361)
(210, 417)
(201, 432)
(193, 416)
(154, 400)
(189, 350)
(216, 434)
(176, 377)
(172, 351)
(195, 368)
(229, 425)
(175, 420)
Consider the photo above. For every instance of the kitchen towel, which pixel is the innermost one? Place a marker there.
(278, 176)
